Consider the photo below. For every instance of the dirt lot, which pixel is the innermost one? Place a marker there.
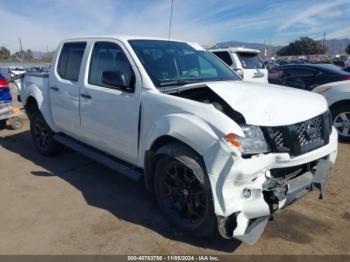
(71, 205)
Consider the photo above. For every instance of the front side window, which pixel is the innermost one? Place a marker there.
(173, 63)
(250, 60)
(275, 74)
(301, 78)
(109, 57)
(70, 61)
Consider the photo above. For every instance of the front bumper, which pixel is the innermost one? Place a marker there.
(245, 217)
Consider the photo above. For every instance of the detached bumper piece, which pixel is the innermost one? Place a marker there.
(279, 192)
(285, 191)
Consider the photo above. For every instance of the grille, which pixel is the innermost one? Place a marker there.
(310, 131)
(278, 137)
(301, 137)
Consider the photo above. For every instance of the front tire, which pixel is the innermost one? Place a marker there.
(341, 121)
(42, 135)
(183, 191)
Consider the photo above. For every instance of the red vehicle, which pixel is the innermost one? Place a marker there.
(7, 109)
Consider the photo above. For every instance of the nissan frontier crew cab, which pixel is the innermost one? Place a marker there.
(219, 154)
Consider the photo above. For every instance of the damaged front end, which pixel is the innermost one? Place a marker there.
(281, 188)
(259, 186)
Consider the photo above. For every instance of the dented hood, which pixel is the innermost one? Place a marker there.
(269, 105)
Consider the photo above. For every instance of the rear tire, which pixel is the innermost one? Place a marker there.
(2, 124)
(42, 135)
(341, 121)
(183, 191)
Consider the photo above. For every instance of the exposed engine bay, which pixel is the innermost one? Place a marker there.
(205, 95)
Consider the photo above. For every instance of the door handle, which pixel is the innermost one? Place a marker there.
(54, 88)
(87, 96)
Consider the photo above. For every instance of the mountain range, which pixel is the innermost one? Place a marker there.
(335, 46)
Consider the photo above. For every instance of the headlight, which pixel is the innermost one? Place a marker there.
(253, 143)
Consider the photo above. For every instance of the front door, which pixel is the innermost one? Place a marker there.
(110, 114)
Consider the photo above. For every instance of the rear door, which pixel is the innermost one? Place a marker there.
(253, 68)
(109, 114)
(65, 88)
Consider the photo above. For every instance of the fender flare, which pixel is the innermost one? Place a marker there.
(191, 131)
(43, 102)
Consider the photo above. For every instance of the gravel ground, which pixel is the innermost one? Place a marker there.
(71, 205)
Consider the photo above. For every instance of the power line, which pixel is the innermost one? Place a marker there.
(171, 17)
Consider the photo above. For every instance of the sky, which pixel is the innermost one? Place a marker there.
(41, 24)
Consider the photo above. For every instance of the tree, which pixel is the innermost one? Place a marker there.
(347, 49)
(23, 55)
(28, 55)
(303, 46)
(5, 54)
(46, 57)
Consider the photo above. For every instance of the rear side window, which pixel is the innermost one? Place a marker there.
(300, 72)
(224, 56)
(70, 61)
(250, 61)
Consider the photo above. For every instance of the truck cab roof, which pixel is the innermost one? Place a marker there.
(119, 37)
(237, 50)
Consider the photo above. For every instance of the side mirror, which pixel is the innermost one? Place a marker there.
(115, 79)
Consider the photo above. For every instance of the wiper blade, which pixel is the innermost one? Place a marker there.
(178, 82)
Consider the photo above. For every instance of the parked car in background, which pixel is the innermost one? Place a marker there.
(328, 80)
(270, 64)
(245, 62)
(220, 154)
(337, 95)
(347, 69)
(5, 94)
(339, 63)
(7, 109)
(16, 70)
(306, 76)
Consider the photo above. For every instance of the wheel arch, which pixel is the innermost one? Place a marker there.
(151, 157)
(31, 105)
(339, 103)
(36, 100)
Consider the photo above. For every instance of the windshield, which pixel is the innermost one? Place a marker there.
(250, 61)
(175, 63)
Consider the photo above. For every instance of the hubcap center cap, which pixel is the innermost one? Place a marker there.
(185, 192)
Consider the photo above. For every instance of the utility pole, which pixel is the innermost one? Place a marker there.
(20, 44)
(21, 49)
(171, 17)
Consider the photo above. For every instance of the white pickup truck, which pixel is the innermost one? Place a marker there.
(220, 154)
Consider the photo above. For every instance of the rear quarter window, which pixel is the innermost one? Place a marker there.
(70, 60)
(250, 60)
(224, 56)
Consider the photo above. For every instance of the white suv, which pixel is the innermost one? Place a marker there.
(245, 62)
